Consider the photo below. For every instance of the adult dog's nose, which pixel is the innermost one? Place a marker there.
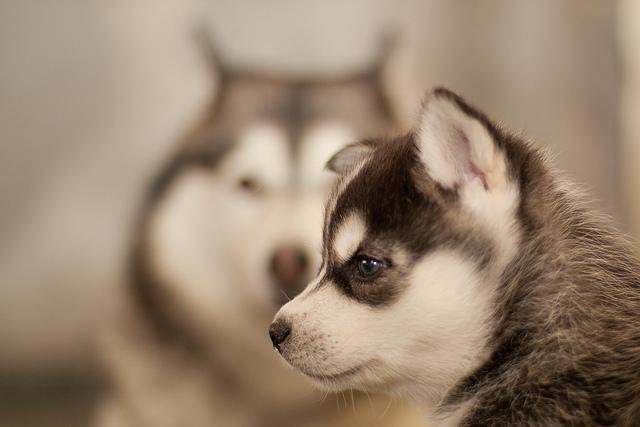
(279, 331)
(290, 268)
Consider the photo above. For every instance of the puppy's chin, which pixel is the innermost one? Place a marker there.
(337, 386)
(350, 379)
(360, 377)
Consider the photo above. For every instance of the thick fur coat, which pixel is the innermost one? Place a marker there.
(460, 270)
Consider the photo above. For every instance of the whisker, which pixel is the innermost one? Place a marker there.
(323, 396)
(353, 403)
(285, 294)
(369, 399)
(386, 409)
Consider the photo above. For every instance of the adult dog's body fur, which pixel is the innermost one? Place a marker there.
(497, 297)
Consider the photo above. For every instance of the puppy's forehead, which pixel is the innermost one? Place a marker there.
(383, 191)
(393, 199)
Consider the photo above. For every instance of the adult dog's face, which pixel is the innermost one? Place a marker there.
(236, 226)
(416, 234)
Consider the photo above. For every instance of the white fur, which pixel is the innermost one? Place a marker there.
(494, 212)
(348, 236)
(183, 242)
(435, 333)
(318, 144)
(262, 154)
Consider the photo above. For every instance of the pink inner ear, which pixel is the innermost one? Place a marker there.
(460, 147)
(477, 172)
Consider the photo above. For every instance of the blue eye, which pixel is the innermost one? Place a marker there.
(369, 267)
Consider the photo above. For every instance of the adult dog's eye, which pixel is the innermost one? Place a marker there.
(249, 185)
(369, 267)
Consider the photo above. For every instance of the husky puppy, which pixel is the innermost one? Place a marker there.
(229, 230)
(460, 271)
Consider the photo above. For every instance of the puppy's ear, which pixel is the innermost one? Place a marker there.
(349, 156)
(456, 146)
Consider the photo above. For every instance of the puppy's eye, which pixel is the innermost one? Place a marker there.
(369, 267)
(249, 185)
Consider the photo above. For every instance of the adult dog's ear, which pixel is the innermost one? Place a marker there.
(457, 144)
(221, 72)
(210, 52)
(349, 156)
(378, 75)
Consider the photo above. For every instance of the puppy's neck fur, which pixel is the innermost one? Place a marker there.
(565, 324)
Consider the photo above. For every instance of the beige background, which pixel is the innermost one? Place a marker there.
(92, 95)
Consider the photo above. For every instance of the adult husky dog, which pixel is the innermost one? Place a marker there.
(229, 230)
(459, 270)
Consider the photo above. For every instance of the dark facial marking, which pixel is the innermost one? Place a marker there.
(405, 212)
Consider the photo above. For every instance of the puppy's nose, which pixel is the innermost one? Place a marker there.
(279, 331)
(290, 268)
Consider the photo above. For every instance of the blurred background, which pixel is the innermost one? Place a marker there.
(94, 95)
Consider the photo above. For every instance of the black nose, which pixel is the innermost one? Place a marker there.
(279, 331)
